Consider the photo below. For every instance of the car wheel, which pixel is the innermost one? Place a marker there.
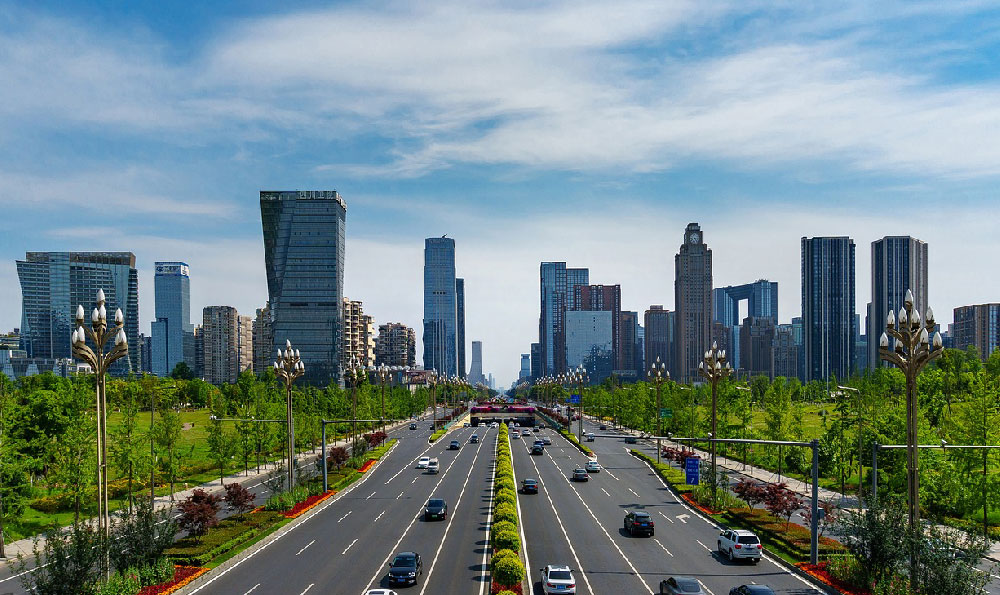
(718, 547)
(731, 558)
(651, 533)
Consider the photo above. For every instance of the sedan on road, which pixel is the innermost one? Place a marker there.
(412, 427)
(604, 427)
(681, 585)
(751, 590)
(529, 486)
(380, 592)
(558, 578)
(405, 568)
(436, 508)
(474, 439)
(580, 475)
(422, 462)
(454, 445)
(630, 440)
(537, 449)
(546, 441)
(592, 467)
(639, 521)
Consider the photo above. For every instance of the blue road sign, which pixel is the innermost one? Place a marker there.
(692, 467)
(574, 399)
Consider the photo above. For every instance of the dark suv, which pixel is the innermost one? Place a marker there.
(405, 568)
(638, 521)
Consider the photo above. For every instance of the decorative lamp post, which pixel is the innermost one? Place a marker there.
(384, 373)
(580, 377)
(714, 368)
(354, 370)
(99, 333)
(911, 350)
(432, 381)
(288, 368)
(658, 375)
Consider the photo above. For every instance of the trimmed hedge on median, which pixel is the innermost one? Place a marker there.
(228, 534)
(506, 567)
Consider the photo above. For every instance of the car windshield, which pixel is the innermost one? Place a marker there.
(689, 586)
(404, 561)
(748, 539)
(435, 503)
(560, 575)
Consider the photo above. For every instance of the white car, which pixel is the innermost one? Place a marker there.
(558, 578)
(380, 592)
(592, 467)
(740, 545)
(422, 462)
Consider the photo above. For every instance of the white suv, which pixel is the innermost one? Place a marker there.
(740, 545)
(558, 578)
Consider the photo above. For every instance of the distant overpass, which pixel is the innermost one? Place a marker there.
(524, 415)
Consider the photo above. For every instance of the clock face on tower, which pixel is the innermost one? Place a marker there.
(694, 238)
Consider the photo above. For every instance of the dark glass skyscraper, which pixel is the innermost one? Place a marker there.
(556, 292)
(304, 260)
(828, 321)
(53, 284)
(898, 263)
(460, 324)
(172, 331)
(440, 306)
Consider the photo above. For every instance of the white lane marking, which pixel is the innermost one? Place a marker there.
(252, 589)
(662, 546)
(665, 516)
(305, 547)
(707, 590)
(345, 516)
(414, 481)
(451, 518)
(408, 465)
(379, 516)
(683, 518)
(370, 496)
(703, 545)
(400, 495)
(348, 547)
(633, 491)
(611, 474)
(307, 589)
(606, 492)
(489, 525)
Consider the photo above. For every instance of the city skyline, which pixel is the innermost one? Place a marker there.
(868, 113)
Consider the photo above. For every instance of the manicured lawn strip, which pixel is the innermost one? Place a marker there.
(216, 562)
(228, 534)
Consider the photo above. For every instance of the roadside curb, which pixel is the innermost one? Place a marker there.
(780, 562)
(217, 572)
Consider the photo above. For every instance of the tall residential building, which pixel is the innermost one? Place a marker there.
(786, 352)
(53, 284)
(263, 340)
(228, 343)
(460, 324)
(358, 335)
(589, 342)
(476, 373)
(631, 349)
(659, 340)
(304, 260)
(536, 361)
(172, 331)
(607, 298)
(898, 263)
(828, 306)
(977, 326)
(440, 307)
(693, 301)
(757, 338)
(556, 295)
(396, 345)
(199, 351)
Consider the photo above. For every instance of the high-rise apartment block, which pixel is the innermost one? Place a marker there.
(440, 307)
(304, 261)
(460, 324)
(899, 263)
(693, 301)
(828, 320)
(396, 345)
(53, 284)
(659, 338)
(263, 341)
(977, 326)
(227, 340)
(359, 336)
(557, 297)
(172, 331)
(607, 298)
(786, 352)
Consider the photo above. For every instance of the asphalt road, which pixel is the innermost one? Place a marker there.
(580, 524)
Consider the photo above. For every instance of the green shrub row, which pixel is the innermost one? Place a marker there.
(572, 438)
(228, 534)
(434, 437)
(506, 566)
(130, 581)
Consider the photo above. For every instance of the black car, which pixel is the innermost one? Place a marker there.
(529, 486)
(751, 590)
(454, 445)
(474, 439)
(604, 427)
(537, 449)
(413, 426)
(630, 440)
(436, 508)
(638, 521)
(431, 427)
(405, 568)
(535, 430)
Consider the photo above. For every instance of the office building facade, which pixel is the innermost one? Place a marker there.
(608, 298)
(693, 302)
(536, 361)
(977, 326)
(172, 331)
(899, 263)
(658, 325)
(304, 260)
(786, 352)
(460, 324)
(631, 346)
(53, 284)
(264, 353)
(396, 345)
(440, 307)
(476, 372)
(828, 321)
(757, 341)
(525, 373)
(556, 283)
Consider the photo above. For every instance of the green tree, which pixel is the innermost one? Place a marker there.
(76, 462)
(221, 444)
(182, 371)
(127, 454)
(167, 434)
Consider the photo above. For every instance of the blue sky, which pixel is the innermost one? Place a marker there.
(590, 132)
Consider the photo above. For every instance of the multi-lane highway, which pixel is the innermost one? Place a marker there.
(581, 525)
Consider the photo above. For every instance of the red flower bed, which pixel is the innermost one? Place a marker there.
(304, 506)
(497, 587)
(820, 573)
(690, 500)
(368, 465)
(182, 576)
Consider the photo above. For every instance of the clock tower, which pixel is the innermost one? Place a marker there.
(693, 303)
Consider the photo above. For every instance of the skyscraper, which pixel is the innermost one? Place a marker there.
(898, 263)
(460, 324)
(659, 340)
(631, 360)
(525, 372)
(977, 326)
(228, 343)
(761, 297)
(440, 306)
(757, 340)
(693, 300)
(263, 342)
(53, 284)
(476, 373)
(589, 342)
(608, 298)
(828, 323)
(556, 296)
(396, 345)
(304, 260)
(172, 331)
(536, 361)
(359, 335)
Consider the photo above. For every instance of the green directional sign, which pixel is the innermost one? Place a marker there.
(667, 413)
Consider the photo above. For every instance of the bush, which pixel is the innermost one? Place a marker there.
(505, 513)
(504, 497)
(507, 540)
(52, 504)
(508, 571)
(198, 512)
(238, 498)
(121, 583)
(228, 534)
(500, 554)
(503, 526)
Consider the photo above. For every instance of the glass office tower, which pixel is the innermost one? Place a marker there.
(828, 321)
(304, 261)
(440, 306)
(172, 332)
(53, 284)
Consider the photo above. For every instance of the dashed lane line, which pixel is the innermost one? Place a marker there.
(663, 546)
(370, 496)
(344, 553)
(633, 492)
(252, 589)
(305, 547)
(379, 516)
(345, 516)
(606, 492)
(307, 589)
(707, 549)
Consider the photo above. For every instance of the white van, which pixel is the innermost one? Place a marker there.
(433, 466)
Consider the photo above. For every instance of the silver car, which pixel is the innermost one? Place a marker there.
(558, 578)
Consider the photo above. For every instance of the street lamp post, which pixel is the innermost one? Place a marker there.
(658, 375)
(383, 372)
(714, 368)
(353, 372)
(99, 333)
(580, 377)
(911, 351)
(432, 380)
(288, 368)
